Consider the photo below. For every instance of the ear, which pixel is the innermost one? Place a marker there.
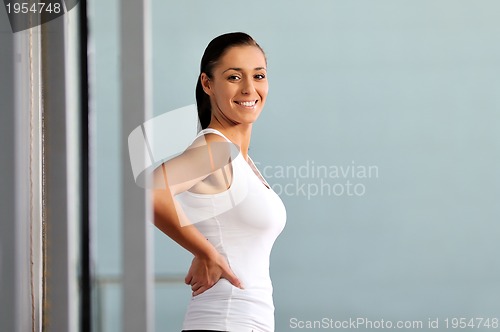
(205, 83)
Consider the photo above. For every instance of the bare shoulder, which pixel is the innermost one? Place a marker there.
(206, 155)
(205, 139)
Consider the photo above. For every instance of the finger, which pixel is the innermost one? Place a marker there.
(188, 278)
(231, 277)
(199, 291)
(196, 286)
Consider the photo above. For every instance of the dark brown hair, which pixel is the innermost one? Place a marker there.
(214, 51)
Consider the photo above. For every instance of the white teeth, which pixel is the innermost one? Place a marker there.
(247, 103)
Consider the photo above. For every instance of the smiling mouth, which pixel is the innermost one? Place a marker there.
(249, 104)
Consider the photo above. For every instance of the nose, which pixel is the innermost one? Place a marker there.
(247, 87)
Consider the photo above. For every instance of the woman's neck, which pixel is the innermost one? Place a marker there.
(238, 134)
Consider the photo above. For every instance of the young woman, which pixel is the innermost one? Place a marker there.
(216, 204)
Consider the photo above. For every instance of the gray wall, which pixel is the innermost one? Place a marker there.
(9, 233)
(409, 88)
(39, 182)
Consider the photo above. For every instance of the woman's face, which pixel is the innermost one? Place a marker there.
(238, 87)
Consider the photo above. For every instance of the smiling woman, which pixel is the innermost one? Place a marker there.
(238, 93)
(229, 275)
(232, 70)
(237, 87)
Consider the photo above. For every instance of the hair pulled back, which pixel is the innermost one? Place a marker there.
(214, 51)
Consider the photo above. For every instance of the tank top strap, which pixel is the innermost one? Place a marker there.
(212, 131)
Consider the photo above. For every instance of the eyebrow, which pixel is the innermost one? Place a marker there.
(240, 69)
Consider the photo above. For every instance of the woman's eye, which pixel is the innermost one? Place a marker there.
(233, 78)
(260, 76)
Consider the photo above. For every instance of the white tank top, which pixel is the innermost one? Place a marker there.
(244, 234)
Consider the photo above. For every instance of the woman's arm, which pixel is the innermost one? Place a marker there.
(208, 265)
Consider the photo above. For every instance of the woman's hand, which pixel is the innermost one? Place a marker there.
(205, 272)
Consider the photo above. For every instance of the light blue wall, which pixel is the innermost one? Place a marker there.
(408, 87)
(104, 67)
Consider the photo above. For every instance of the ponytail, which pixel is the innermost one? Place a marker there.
(203, 105)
